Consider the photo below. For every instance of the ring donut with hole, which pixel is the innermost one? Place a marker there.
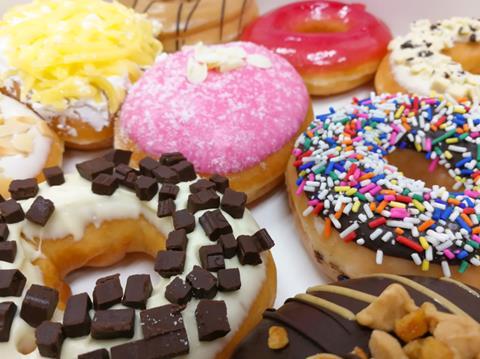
(215, 273)
(334, 46)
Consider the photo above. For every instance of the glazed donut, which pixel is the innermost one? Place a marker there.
(334, 46)
(353, 318)
(27, 144)
(216, 274)
(434, 58)
(341, 180)
(75, 73)
(192, 21)
(239, 118)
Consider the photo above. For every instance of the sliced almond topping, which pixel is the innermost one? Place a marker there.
(259, 61)
(231, 64)
(196, 72)
(23, 142)
(277, 337)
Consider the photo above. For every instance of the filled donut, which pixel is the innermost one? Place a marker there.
(334, 46)
(190, 22)
(232, 109)
(360, 215)
(73, 61)
(434, 58)
(379, 316)
(215, 274)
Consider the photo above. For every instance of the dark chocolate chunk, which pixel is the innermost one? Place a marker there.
(185, 170)
(49, 338)
(7, 314)
(138, 290)
(11, 211)
(168, 190)
(40, 211)
(203, 200)
(161, 320)
(178, 291)
(130, 180)
(249, 250)
(146, 188)
(108, 292)
(212, 258)
(54, 176)
(234, 202)
(264, 239)
(212, 321)
(147, 165)
(131, 350)
(92, 168)
(201, 185)
(38, 305)
(229, 245)
(76, 318)
(104, 184)
(12, 282)
(113, 323)
(165, 174)
(221, 182)
(172, 158)
(122, 170)
(4, 232)
(118, 157)
(177, 240)
(96, 354)
(229, 280)
(184, 220)
(204, 283)
(23, 189)
(8, 251)
(215, 224)
(166, 208)
(169, 263)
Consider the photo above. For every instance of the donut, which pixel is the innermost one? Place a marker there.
(27, 144)
(334, 46)
(74, 73)
(232, 109)
(434, 58)
(216, 275)
(344, 187)
(193, 21)
(371, 317)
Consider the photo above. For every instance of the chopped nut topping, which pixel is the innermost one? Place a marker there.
(385, 346)
(427, 348)
(412, 326)
(277, 337)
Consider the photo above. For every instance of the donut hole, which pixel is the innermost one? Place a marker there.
(467, 55)
(26, 343)
(321, 26)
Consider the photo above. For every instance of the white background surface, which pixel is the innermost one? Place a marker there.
(295, 269)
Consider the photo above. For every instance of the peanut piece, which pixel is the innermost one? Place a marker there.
(359, 352)
(427, 348)
(277, 337)
(412, 326)
(384, 346)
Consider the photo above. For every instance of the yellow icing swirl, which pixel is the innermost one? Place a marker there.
(69, 49)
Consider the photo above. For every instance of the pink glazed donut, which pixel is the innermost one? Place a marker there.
(232, 109)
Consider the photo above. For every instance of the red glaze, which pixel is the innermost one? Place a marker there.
(321, 35)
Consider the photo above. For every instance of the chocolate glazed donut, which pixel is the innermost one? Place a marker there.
(323, 319)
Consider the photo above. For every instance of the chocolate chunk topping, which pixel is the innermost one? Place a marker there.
(92, 168)
(40, 211)
(49, 337)
(229, 280)
(54, 176)
(130, 350)
(23, 189)
(122, 170)
(4, 232)
(161, 320)
(38, 305)
(147, 165)
(130, 180)
(234, 203)
(76, 318)
(183, 220)
(8, 251)
(212, 321)
(204, 284)
(172, 158)
(118, 157)
(178, 291)
(112, 324)
(12, 282)
(177, 240)
(229, 245)
(165, 174)
(215, 224)
(7, 314)
(104, 184)
(146, 188)
(11, 211)
(96, 354)
(264, 239)
(221, 182)
(212, 258)
(249, 250)
(138, 290)
(168, 191)
(169, 263)
(185, 170)
(166, 208)
(201, 185)
(203, 200)
(108, 292)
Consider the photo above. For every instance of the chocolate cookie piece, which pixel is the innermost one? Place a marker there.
(201, 185)
(49, 338)
(165, 174)
(113, 323)
(168, 191)
(38, 305)
(166, 208)
(249, 250)
(137, 291)
(212, 321)
(76, 318)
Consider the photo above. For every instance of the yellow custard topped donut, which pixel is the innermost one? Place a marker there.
(74, 60)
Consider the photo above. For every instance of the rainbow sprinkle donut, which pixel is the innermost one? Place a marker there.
(343, 181)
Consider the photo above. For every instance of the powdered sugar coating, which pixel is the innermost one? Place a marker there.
(228, 123)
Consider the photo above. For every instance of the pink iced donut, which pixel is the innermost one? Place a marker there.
(238, 123)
